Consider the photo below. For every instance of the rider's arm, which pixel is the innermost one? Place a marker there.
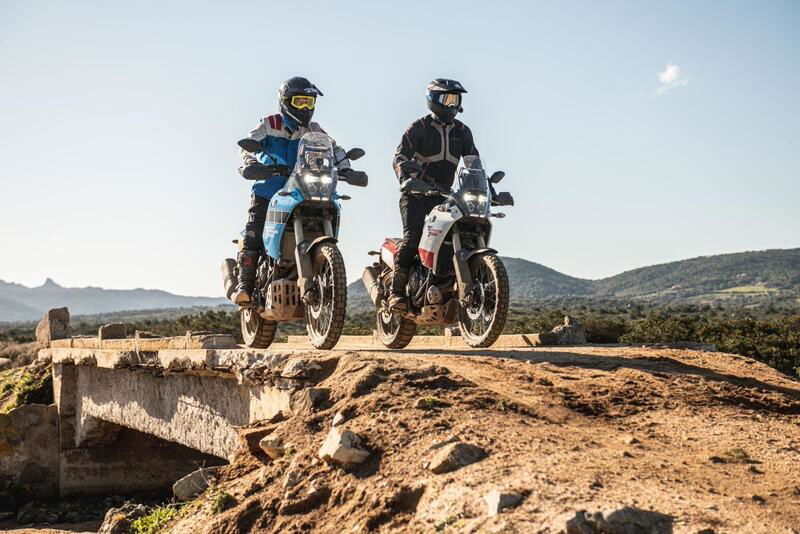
(468, 146)
(406, 150)
(259, 133)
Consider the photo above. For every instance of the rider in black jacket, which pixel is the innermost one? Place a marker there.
(427, 156)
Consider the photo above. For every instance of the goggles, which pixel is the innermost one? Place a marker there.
(303, 102)
(448, 100)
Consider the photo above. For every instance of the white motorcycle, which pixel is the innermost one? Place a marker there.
(456, 277)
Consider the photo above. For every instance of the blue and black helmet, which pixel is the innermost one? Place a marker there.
(298, 98)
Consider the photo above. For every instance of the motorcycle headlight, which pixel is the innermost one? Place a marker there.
(477, 204)
(318, 187)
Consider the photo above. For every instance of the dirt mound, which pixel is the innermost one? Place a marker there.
(520, 441)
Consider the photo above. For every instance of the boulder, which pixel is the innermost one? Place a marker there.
(54, 325)
(118, 520)
(497, 501)
(572, 332)
(338, 419)
(272, 445)
(342, 447)
(5, 363)
(308, 400)
(455, 456)
(194, 483)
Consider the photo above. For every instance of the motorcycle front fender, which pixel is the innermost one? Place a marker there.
(302, 254)
(461, 264)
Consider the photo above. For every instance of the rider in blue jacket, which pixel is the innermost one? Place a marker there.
(279, 136)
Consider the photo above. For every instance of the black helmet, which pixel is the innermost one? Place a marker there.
(444, 98)
(298, 99)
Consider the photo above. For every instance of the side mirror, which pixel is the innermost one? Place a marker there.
(497, 176)
(250, 145)
(355, 153)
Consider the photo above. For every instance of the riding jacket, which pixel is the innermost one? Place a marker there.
(437, 147)
(279, 136)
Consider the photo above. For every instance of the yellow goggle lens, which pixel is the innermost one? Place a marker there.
(303, 102)
(450, 100)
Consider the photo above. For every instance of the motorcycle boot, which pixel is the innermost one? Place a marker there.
(397, 299)
(247, 260)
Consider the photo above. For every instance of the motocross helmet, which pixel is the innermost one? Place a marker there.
(298, 99)
(444, 99)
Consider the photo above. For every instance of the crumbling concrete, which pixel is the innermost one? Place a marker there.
(54, 325)
(29, 448)
(140, 413)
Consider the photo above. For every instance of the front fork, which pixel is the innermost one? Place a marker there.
(305, 270)
(463, 276)
(461, 258)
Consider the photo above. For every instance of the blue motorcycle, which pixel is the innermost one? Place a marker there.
(301, 274)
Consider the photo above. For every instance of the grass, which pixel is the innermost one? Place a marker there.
(29, 386)
(221, 502)
(155, 521)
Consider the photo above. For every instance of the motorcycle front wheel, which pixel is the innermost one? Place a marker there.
(394, 330)
(483, 320)
(257, 332)
(325, 312)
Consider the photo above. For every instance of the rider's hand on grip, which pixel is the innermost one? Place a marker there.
(503, 199)
(259, 171)
(354, 177)
(414, 185)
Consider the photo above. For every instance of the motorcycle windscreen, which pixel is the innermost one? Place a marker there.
(315, 171)
(473, 191)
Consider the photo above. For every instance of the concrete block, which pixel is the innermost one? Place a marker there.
(112, 331)
(54, 325)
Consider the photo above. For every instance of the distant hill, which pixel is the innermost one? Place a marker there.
(21, 303)
(743, 278)
(747, 277)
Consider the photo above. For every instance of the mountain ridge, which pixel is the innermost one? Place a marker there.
(741, 277)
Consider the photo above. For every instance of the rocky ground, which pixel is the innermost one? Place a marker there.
(520, 441)
(642, 439)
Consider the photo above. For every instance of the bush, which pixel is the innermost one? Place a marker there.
(155, 521)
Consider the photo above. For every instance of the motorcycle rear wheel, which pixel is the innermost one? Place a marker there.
(257, 332)
(482, 322)
(325, 316)
(394, 330)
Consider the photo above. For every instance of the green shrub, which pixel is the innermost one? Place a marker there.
(155, 521)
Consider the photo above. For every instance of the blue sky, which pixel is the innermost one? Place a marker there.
(631, 133)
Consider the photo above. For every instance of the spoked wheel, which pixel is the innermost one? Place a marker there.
(394, 330)
(483, 320)
(257, 332)
(325, 312)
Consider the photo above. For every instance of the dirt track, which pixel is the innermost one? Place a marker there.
(710, 439)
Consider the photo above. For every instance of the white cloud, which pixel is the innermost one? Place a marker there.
(670, 78)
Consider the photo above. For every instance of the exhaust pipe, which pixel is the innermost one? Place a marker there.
(370, 279)
(229, 279)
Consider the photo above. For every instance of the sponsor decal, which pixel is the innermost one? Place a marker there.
(434, 232)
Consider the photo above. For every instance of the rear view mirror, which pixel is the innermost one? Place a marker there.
(497, 176)
(250, 145)
(355, 153)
